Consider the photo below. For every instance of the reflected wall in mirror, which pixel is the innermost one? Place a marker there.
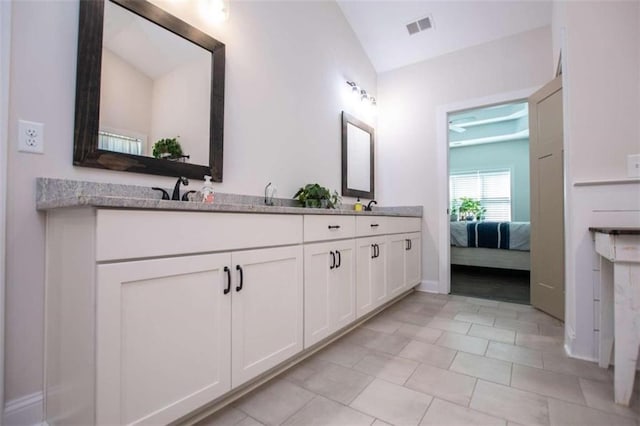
(358, 140)
(145, 76)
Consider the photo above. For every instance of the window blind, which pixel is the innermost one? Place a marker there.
(492, 188)
(119, 143)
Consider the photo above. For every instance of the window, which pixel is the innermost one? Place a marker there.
(492, 188)
(119, 143)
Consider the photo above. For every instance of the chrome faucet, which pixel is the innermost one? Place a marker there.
(367, 208)
(176, 189)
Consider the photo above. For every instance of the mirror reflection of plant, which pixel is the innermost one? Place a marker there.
(168, 148)
(314, 195)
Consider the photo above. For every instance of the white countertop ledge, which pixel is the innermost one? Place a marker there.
(64, 193)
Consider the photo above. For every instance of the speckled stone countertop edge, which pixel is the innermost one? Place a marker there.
(62, 193)
(622, 230)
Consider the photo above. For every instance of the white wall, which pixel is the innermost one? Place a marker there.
(601, 96)
(125, 96)
(180, 105)
(409, 98)
(287, 63)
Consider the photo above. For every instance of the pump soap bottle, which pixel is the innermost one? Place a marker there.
(207, 191)
(358, 205)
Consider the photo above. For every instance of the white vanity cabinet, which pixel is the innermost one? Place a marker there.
(329, 277)
(371, 286)
(143, 328)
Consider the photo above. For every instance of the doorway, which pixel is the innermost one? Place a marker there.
(489, 201)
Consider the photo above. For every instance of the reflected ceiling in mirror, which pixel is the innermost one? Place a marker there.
(159, 79)
(357, 158)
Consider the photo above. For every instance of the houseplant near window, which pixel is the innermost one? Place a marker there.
(470, 209)
(314, 195)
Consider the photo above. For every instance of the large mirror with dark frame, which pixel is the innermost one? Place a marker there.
(149, 92)
(358, 140)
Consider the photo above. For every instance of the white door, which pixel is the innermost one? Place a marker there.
(342, 290)
(413, 260)
(266, 314)
(371, 276)
(547, 199)
(151, 314)
(330, 283)
(397, 245)
(319, 262)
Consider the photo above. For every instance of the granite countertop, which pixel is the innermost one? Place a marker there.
(63, 193)
(622, 230)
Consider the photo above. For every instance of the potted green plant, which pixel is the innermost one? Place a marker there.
(314, 195)
(470, 209)
(453, 212)
(168, 148)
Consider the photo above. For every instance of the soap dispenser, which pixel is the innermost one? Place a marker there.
(358, 206)
(207, 190)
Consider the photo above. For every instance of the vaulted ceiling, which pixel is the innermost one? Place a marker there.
(380, 25)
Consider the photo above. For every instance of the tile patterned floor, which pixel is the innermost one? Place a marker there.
(440, 360)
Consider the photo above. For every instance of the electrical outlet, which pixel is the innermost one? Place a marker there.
(633, 165)
(30, 137)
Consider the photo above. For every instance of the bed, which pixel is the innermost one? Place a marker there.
(502, 245)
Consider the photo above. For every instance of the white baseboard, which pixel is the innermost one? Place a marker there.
(25, 411)
(428, 286)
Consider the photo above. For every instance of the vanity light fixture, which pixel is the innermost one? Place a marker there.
(360, 92)
(215, 10)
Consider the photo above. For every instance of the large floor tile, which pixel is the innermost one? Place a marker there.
(599, 395)
(445, 384)
(336, 382)
(516, 307)
(548, 383)
(551, 330)
(561, 363)
(498, 312)
(249, 421)
(343, 353)
(541, 343)
(449, 325)
(493, 370)
(459, 306)
(392, 369)
(483, 302)
(567, 414)
(417, 318)
(539, 317)
(461, 342)
(443, 413)
(392, 403)
(514, 324)
(324, 412)
(416, 332)
(475, 318)
(493, 333)
(383, 324)
(437, 356)
(274, 403)
(512, 404)
(515, 354)
(387, 343)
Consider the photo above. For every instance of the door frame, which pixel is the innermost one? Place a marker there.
(442, 157)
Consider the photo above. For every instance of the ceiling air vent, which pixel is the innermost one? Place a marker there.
(421, 24)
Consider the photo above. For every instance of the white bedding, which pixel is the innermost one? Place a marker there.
(519, 235)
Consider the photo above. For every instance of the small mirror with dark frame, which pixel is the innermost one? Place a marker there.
(358, 140)
(146, 80)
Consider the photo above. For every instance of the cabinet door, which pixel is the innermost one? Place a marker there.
(318, 267)
(266, 319)
(413, 260)
(397, 245)
(371, 274)
(342, 290)
(330, 282)
(162, 339)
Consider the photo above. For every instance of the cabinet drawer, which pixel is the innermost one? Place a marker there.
(127, 234)
(328, 227)
(371, 225)
(398, 225)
